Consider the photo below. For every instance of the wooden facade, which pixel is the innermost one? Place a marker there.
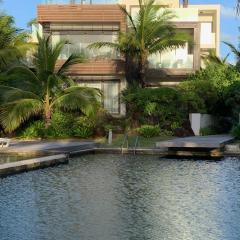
(79, 13)
(97, 67)
(52, 16)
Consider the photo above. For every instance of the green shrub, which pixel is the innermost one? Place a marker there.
(199, 95)
(207, 131)
(154, 106)
(236, 132)
(34, 129)
(149, 131)
(61, 125)
(220, 76)
(83, 127)
(232, 100)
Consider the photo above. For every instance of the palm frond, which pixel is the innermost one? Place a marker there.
(11, 94)
(13, 114)
(72, 60)
(78, 98)
(234, 50)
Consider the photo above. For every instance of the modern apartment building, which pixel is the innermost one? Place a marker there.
(86, 22)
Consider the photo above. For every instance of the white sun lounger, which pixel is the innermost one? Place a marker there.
(4, 142)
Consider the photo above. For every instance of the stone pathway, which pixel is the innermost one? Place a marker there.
(58, 146)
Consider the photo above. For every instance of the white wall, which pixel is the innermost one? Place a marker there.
(199, 121)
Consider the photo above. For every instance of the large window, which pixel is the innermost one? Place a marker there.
(79, 42)
(176, 59)
(111, 93)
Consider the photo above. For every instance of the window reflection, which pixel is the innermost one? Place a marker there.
(78, 43)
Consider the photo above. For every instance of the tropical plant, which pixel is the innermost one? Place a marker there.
(211, 58)
(13, 42)
(236, 53)
(44, 89)
(150, 31)
(220, 75)
(149, 131)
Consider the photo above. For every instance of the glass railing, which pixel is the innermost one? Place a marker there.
(80, 1)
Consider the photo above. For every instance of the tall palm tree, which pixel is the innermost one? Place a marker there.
(238, 7)
(236, 53)
(13, 42)
(40, 91)
(149, 32)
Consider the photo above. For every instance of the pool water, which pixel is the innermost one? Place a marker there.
(8, 158)
(114, 197)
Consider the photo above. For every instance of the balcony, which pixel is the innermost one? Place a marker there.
(63, 2)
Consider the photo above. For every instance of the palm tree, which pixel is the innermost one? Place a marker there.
(150, 32)
(236, 52)
(211, 57)
(41, 90)
(13, 42)
(238, 7)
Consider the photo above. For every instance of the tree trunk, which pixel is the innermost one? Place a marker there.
(47, 112)
(142, 69)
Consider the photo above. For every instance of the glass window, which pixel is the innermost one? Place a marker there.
(111, 97)
(77, 43)
(110, 90)
(176, 59)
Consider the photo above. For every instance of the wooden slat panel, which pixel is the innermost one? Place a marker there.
(97, 67)
(82, 13)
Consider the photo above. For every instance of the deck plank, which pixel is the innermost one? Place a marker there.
(208, 142)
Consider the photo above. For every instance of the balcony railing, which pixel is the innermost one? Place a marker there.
(80, 1)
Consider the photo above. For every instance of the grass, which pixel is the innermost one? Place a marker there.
(143, 142)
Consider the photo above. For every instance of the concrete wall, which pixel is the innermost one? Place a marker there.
(199, 121)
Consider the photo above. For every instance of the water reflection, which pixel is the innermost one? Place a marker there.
(123, 197)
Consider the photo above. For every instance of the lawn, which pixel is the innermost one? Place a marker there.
(142, 143)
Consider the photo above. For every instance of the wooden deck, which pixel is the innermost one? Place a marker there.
(208, 146)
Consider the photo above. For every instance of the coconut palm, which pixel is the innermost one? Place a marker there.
(212, 58)
(149, 32)
(41, 90)
(236, 53)
(13, 42)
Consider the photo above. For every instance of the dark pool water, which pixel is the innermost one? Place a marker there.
(112, 197)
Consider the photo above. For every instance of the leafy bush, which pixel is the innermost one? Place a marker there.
(220, 76)
(207, 131)
(199, 96)
(231, 98)
(83, 127)
(149, 131)
(61, 125)
(236, 131)
(34, 129)
(154, 106)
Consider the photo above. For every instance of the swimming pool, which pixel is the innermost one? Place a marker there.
(115, 197)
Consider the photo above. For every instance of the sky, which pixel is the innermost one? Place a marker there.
(25, 10)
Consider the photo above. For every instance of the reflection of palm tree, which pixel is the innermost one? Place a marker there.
(238, 7)
(42, 90)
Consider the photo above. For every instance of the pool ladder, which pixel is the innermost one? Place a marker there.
(126, 142)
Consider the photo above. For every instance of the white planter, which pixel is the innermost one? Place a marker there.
(199, 121)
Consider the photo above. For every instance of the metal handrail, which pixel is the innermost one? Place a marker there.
(135, 145)
(125, 141)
